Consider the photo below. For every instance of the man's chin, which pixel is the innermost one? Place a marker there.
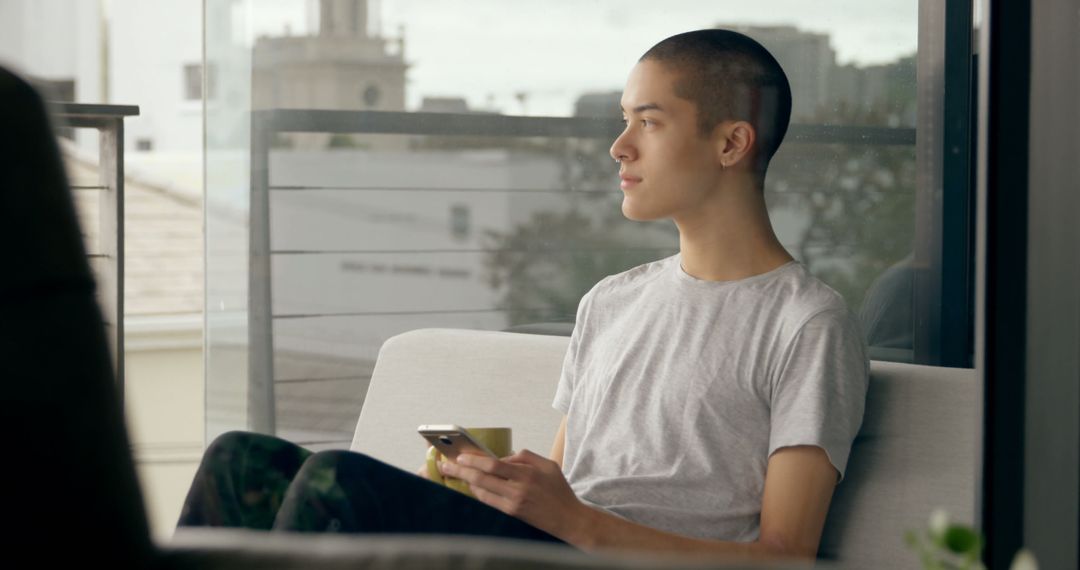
(628, 214)
(636, 214)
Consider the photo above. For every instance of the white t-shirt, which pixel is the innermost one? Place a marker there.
(678, 390)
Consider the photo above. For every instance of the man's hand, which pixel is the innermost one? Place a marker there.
(524, 485)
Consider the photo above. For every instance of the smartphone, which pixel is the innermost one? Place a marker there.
(452, 440)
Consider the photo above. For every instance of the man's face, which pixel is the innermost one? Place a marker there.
(667, 167)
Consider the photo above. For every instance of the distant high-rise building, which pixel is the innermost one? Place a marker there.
(444, 105)
(822, 90)
(808, 60)
(598, 104)
(881, 93)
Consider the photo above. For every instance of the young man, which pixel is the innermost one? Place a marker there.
(710, 398)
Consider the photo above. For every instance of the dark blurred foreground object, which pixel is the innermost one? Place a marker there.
(70, 487)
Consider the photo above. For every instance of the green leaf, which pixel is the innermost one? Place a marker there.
(961, 540)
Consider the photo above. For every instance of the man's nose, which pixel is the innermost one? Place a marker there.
(621, 150)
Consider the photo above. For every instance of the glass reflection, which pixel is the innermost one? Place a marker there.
(407, 164)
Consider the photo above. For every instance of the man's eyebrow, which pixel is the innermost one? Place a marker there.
(646, 107)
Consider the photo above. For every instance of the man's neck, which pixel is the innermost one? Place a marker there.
(730, 236)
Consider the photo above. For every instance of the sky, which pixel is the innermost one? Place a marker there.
(490, 51)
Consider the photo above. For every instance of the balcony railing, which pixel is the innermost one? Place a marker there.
(108, 256)
(267, 125)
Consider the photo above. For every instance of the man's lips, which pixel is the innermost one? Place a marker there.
(628, 181)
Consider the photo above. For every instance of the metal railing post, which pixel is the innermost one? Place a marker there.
(261, 402)
(111, 236)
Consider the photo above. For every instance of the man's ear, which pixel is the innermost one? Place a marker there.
(735, 142)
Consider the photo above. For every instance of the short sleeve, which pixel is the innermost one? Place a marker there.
(564, 393)
(820, 391)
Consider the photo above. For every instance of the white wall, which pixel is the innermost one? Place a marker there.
(164, 402)
(150, 42)
(46, 51)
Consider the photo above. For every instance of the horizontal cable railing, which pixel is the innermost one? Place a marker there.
(463, 250)
(479, 190)
(321, 379)
(337, 314)
(431, 189)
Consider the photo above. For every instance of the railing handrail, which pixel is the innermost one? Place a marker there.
(486, 124)
(92, 110)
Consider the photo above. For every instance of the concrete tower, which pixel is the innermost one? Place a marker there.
(340, 67)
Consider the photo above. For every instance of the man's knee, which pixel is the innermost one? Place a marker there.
(258, 450)
(248, 440)
(335, 465)
(342, 459)
(231, 440)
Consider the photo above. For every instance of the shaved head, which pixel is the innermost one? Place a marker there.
(729, 77)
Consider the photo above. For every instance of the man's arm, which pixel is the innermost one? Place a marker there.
(558, 447)
(799, 484)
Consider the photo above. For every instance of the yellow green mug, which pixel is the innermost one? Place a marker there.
(498, 440)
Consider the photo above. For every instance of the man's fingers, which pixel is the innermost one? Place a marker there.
(487, 464)
(527, 457)
(478, 478)
(493, 500)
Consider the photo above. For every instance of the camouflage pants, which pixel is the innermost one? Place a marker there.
(262, 482)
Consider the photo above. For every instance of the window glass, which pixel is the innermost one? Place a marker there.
(374, 168)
